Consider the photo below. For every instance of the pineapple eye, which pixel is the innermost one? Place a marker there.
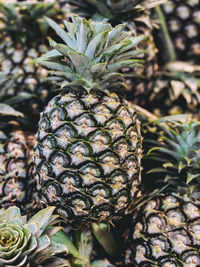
(54, 191)
(66, 130)
(15, 189)
(121, 199)
(80, 148)
(101, 113)
(60, 162)
(174, 25)
(117, 176)
(183, 12)
(102, 211)
(85, 120)
(109, 157)
(170, 202)
(191, 210)
(191, 31)
(121, 147)
(16, 168)
(142, 252)
(159, 246)
(99, 189)
(91, 169)
(57, 116)
(48, 144)
(168, 262)
(74, 109)
(196, 16)
(70, 181)
(130, 165)
(80, 203)
(58, 113)
(124, 115)
(175, 218)
(156, 224)
(45, 170)
(99, 136)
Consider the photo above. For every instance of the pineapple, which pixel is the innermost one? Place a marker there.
(183, 23)
(137, 15)
(17, 186)
(177, 87)
(23, 38)
(165, 231)
(88, 149)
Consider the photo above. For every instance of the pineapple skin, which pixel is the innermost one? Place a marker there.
(165, 233)
(182, 17)
(17, 185)
(88, 154)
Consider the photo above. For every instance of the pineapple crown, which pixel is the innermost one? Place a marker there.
(112, 9)
(25, 22)
(177, 150)
(92, 53)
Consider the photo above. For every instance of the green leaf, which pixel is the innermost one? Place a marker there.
(103, 234)
(131, 54)
(83, 36)
(98, 68)
(80, 62)
(19, 98)
(96, 45)
(117, 34)
(55, 65)
(42, 243)
(42, 219)
(10, 213)
(124, 63)
(60, 238)
(8, 110)
(62, 48)
(62, 33)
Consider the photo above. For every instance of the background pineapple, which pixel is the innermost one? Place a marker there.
(23, 34)
(165, 230)
(17, 186)
(176, 152)
(166, 233)
(183, 24)
(88, 150)
(177, 87)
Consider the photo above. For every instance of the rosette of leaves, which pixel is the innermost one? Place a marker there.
(31, 243)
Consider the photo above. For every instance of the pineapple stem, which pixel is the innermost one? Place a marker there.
(168, 41)
(103, 234)
(84, 244)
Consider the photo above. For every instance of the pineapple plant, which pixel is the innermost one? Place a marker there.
(183, 24)
(23, 34)
(180, 140)
(88, 149)
(39, 241)
(165, 230)
(17, 185)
